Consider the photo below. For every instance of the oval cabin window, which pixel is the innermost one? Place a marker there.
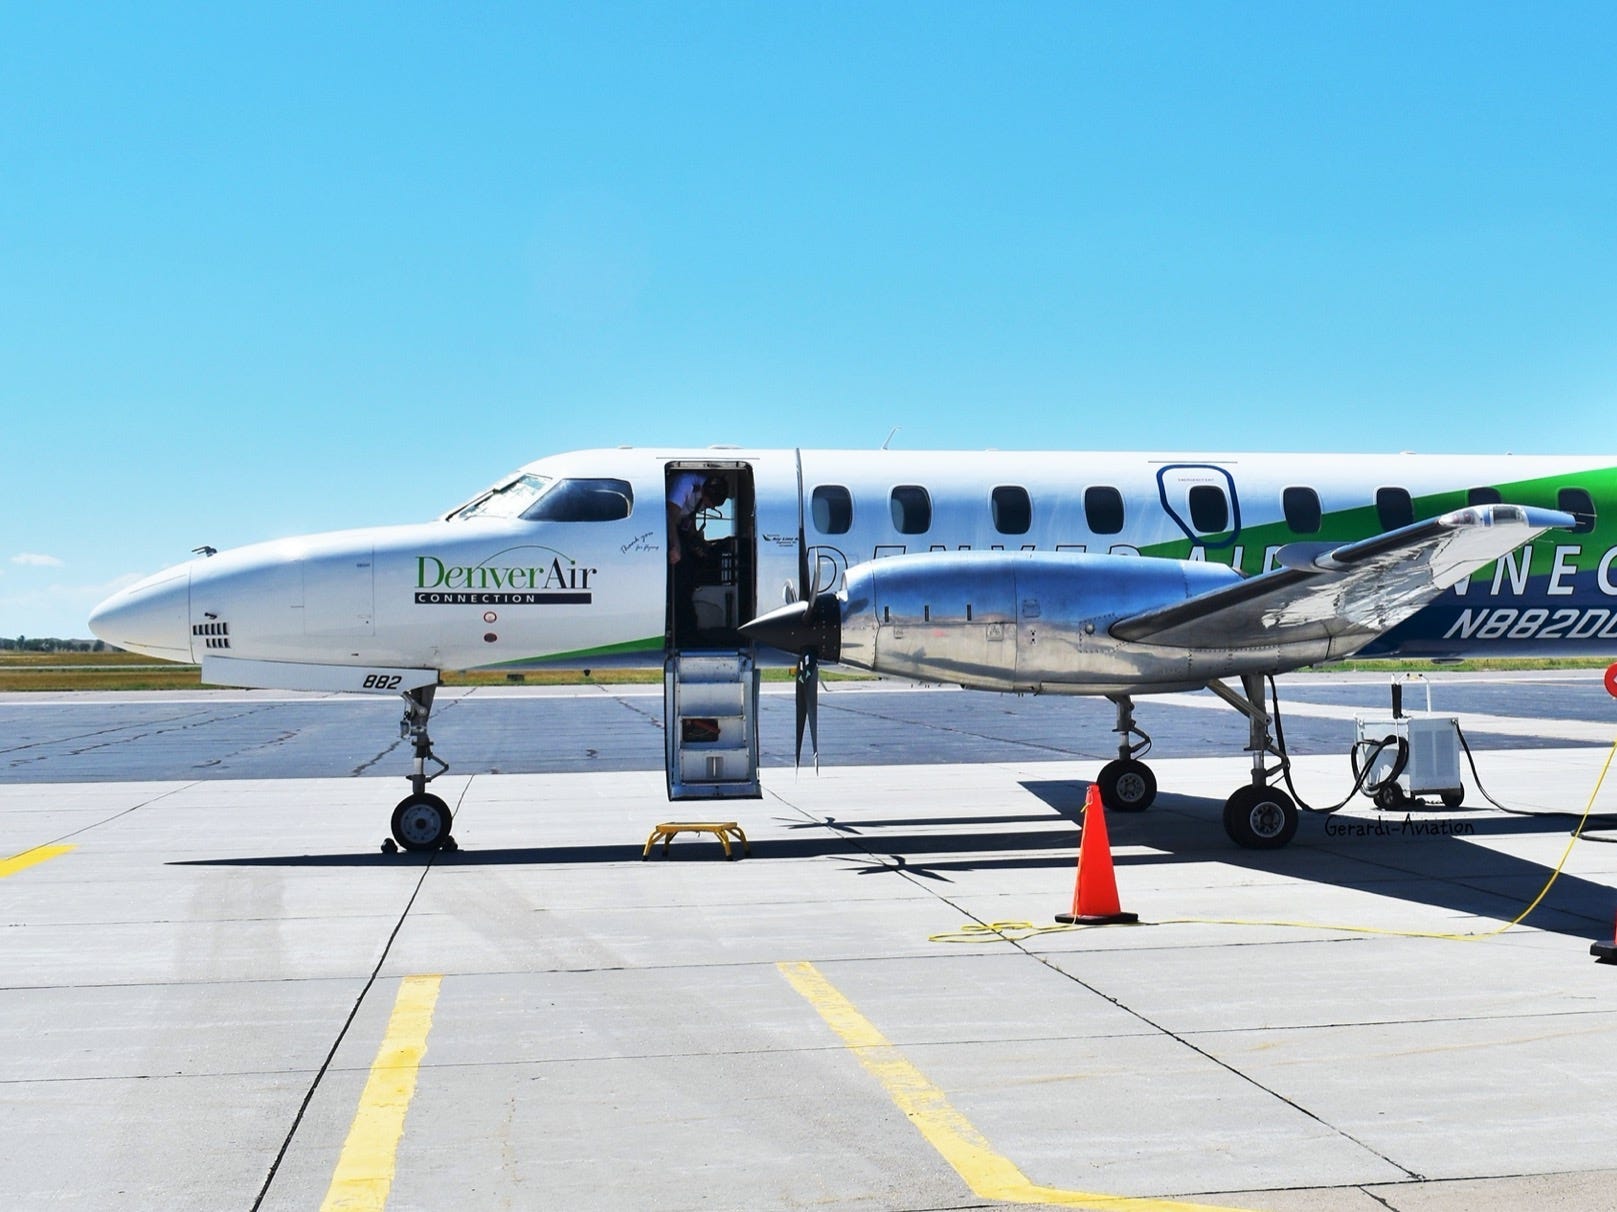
(1012, 509)
(832, 509)
(912, 509)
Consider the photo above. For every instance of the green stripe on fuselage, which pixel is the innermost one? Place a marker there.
(1361, 522)
(651, 644)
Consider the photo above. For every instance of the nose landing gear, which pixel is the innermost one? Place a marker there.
(1127, 784)
(421, 821)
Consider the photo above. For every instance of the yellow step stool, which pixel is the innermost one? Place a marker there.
(723, 830)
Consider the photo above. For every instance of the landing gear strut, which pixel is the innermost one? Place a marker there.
(421, 821)
(1127, 784)
(1258, 816)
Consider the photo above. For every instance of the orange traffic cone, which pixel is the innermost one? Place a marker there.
(1606, 953)
(1094, 896)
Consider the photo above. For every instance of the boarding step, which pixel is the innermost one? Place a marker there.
(710, 713)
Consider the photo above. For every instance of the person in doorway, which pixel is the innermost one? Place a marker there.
(689, 492)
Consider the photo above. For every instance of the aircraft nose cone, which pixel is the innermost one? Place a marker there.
(151, 616)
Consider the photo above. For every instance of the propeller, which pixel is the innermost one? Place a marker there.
(811, 627)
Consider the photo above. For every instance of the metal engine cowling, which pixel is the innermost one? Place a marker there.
(1016, 620)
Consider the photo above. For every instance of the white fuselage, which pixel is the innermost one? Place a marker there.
(480, 589)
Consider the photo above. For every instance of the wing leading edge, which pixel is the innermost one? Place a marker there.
(1345, 594)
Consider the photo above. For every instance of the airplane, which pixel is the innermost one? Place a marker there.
(1109, 574)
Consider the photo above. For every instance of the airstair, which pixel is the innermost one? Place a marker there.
(710, 713)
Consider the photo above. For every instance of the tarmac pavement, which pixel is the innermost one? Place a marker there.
(218, 993)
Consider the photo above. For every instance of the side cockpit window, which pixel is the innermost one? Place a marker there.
(582, 501)
(535, 498)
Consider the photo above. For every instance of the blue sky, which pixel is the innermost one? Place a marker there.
(268, 271)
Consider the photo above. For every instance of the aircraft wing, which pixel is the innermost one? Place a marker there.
(1351, 592)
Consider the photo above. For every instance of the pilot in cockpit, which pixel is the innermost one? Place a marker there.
(689, 492)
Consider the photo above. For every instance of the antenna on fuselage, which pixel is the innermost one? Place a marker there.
(890, 434)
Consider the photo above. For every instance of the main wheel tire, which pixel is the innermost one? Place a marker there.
(1126, 785)
(421, 822)
(1260, 818)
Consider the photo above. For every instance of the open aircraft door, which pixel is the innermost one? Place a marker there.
(710, 673)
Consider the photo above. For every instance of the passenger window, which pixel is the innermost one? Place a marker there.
(1013, 511)
(912, 509)
(1580, 505)
(1103, 510)
(1394, 508)
(1301, 506)
(1483, 496)
(1209, 509)
(832, 508)
(583, 501)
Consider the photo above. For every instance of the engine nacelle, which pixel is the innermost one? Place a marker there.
(1018, 620)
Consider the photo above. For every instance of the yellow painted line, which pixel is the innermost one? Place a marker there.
(987, 1173)
(29, 858)
(364, 1173)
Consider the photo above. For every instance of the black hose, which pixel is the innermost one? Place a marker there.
(1359, 775)
(1402, 760)
(1476, 779)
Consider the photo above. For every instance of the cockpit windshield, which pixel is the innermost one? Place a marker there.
(509, 498)
(535, 498)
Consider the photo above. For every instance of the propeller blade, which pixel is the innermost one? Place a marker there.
(805, 591)
(808, 705)
(801, 692)
(814, 707)
(797, 625)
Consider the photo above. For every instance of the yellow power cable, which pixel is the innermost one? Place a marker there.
(1011, 932)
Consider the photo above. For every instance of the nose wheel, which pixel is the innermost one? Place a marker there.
(422, 822)
(1126, 785)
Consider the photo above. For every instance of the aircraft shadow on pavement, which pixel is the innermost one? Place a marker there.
(1422, 865)
(1411, 857)
(835, 840)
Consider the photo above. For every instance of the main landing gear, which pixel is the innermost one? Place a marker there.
(421, 821)
(1257, 816)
